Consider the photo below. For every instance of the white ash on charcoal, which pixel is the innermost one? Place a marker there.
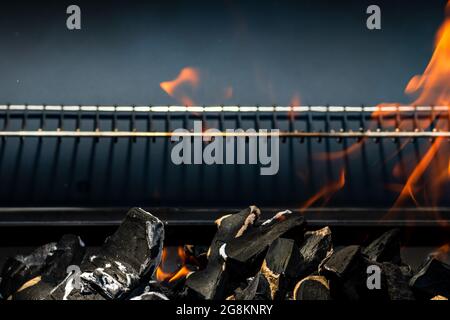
(313, 287)
(432, 279)
(127, 258)
(20, 269)
(151, 296)
(211, 282)
(153, 287)
(386, 248)
(33, 277)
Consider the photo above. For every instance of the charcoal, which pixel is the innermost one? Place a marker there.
(281, 267)
(21, 269)
(346, 271)
(127, 258)
(246, 291)
(397, 287)
(211, 282)
(386, 248)
(197, 255)
(342, 262)
(317, 245)
(263, 291)
(312, 288)
(433, 279)
(244, 255)
(52, 267)
(69, 251)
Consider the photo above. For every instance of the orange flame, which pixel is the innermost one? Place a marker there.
(432, 88)
(182, 272)
(326, 192)
(442, 252)
(188, 76)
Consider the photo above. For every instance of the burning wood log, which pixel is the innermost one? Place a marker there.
(43, 269)
(130, 256)
(433, 279)
(312, 288)
(210, 283)
(386, 248)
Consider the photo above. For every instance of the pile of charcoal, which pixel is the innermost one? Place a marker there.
(248, 259)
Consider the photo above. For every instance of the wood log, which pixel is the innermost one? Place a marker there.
(386, 248)
(211, 283)
(312, 288)
(432, 279)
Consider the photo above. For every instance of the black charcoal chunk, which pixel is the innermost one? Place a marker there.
(316, 246)
(281, 267)
(69, 252)
(386, 248)
(52, 267)
(397, 287)
(433, 279)
(21, 269)
(212, 282)
(244, 255)
(247, 291)
(312, 288)
(126, 259)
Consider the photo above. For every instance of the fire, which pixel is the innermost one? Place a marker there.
(295, 101)
(182, 272)
(431, 88)
(326, 192)
(442, 252)
(188, 76)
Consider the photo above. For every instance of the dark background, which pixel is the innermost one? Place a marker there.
(267, 51)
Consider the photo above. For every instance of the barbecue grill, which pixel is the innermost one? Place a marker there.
(83, 165)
